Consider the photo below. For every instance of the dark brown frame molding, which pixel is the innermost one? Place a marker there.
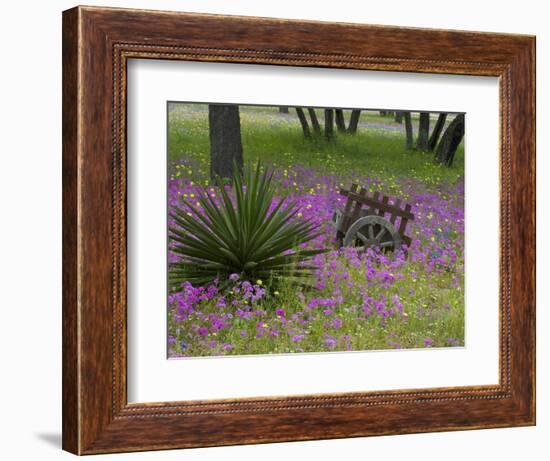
(97, 43)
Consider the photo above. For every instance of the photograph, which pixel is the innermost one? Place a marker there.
(313, 229)
(278, 226)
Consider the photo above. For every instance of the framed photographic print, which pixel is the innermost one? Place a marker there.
(285, 230)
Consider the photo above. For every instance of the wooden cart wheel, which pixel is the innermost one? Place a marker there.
(373, 231)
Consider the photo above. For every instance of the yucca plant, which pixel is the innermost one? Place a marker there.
(241, 235)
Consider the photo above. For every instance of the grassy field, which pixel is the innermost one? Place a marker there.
(277, 138)
(361, 301)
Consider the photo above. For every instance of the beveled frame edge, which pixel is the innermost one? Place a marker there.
(97, 42)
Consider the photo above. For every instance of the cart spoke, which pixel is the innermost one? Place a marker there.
(371, 232)
(380, 234)
(363, 238)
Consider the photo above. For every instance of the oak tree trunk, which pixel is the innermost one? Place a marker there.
(340, 122)
(434, 138)
(398, 117)
(354, 121)
(329, 124)
(422, 142)
(450, 141)
(226, 147)
(303, 122)
(314, 121)
(408, 129)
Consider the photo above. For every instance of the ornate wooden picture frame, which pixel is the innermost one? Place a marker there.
(97, 44)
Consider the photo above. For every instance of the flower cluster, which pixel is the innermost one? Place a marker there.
(361, 300)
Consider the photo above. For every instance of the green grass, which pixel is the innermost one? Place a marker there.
(276, 138)
(431, 310)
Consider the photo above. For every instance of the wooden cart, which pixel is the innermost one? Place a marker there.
(371, 221)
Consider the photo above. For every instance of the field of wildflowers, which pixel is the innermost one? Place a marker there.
(359, 300)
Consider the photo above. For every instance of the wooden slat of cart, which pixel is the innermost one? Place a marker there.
(374, 208)
(373, 203)
(405, 219)
(383, 206)
(358, 205)
(393, 215)
(347, 208)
